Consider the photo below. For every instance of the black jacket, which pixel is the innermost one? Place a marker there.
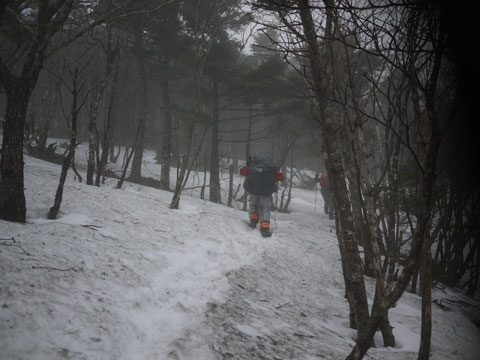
(261, 179)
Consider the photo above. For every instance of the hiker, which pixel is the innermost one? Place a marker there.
(261, 182)
(326, 192)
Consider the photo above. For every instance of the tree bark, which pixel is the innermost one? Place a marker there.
(215, 195)
(92, 124)
(353, 264)
(202, 49)
(47, 111)
(247, 151)
(92, 138)
(107, 132)
(136, 170)
(18, 91)
(361, 228)
(128, 158)
(167, 136)
(12, 198)
(53, 212)
(352, 261)
(426, 290)
(230, 185)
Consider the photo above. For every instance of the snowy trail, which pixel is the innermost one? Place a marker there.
(291, 305)
(288, 305)
(269, 312)
(120, 276)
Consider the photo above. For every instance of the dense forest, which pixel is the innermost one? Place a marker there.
(378, 93)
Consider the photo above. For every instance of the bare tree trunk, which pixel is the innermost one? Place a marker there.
(289, 195)
(346, 279)
(215, 195)
(30, 122)
(353, 264)
(125, 168)
(474, 277)
(247, 152)
(392, 204)
(186, 163)
(363, 183)
(92, 139)
(53, 212)
(93, 114)
(284, 208)
(426, 289)
(186, 168)
(128, 156)
(18, 92)
(107, 132)
(12, 198)
(167, 137)
(230, 186)
(181, 179)
(235, 159)
(47, 111)
(113, 157)
(413, 285)
(136, 171)
(427, 155)
(361, 228)
(202, 44)
(370, 213)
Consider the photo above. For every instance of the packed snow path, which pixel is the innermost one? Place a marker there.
(120, 276)
(269, 313)
(290, 304)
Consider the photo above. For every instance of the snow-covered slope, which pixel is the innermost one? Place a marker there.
(121, 276)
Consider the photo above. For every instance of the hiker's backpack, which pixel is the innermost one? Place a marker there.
(261, 180)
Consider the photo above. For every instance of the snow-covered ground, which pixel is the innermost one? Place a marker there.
(121, 276)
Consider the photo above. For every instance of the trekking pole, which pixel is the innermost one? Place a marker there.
(316, 190)
(275, 209)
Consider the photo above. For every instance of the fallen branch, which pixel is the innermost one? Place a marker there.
(16, 245)
(438, 302)
(52, 268)
(93, 227)
(303, 335)
(280, 306)
(9, 239)
(461, 302)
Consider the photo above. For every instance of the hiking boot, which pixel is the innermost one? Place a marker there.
(265, 229)
(253, 220)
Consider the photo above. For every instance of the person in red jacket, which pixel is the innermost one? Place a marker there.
(326, 192)
(261, 182)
